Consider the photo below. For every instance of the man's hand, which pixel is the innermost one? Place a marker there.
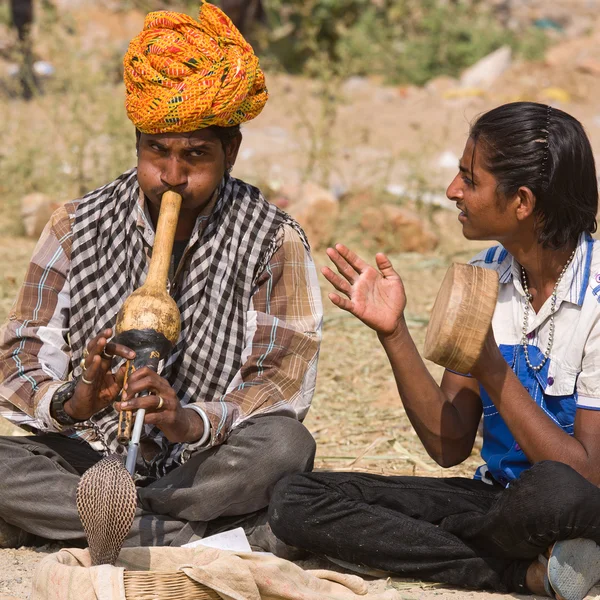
(375, 296)
(90, 398)
(177, 423)
(489, 357)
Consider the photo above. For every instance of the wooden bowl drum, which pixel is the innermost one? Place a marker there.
(461, 317)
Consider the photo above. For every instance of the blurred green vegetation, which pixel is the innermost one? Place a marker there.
(75, 136)
(405, 41)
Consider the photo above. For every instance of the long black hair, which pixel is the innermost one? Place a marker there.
(525, 144)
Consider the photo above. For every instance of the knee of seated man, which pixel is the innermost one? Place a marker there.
(285, 505)
(291, 446)
(558, 485)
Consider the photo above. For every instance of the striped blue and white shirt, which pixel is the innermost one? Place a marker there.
(570, 379)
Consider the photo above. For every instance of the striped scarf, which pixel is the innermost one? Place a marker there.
(109, 261)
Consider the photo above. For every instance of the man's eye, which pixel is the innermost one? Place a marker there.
(467, 181)
(196, 153)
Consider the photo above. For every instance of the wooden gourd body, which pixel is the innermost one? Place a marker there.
(150, 308)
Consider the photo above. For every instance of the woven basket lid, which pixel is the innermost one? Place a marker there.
(461, 317)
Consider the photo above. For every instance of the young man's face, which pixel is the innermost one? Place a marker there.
(191, 164)
(484, 214)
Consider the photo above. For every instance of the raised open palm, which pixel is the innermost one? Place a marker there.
(375, 296)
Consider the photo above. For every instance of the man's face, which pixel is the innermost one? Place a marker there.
(484, 214)
(191, 164)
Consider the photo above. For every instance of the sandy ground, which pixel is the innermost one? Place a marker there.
(381, 138)
(17, 568)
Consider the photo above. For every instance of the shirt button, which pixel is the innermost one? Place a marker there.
(550, 380)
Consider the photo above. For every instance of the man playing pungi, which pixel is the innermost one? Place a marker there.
(223, 417)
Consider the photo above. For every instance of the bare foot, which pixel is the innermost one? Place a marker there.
(534, 579)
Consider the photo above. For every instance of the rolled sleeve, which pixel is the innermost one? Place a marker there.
(588, 381)
(34, 353)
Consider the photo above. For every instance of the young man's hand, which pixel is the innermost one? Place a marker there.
(489, 357)
(373, 295)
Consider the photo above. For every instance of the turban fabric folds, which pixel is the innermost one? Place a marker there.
(182, 75)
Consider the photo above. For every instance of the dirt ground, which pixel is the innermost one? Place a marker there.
(383, 137)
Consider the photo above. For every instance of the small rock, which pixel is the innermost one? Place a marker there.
(315, 208)
(385, 94)
(42, 68)
(398, 229)
(36, 210)
(247, 153)
(448, 160)
(487, 70)
(441, 84)
(356, 83)
(396, 189)
(280, 202)
(589, 65)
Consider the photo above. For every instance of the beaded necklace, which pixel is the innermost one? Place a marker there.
(528, 298)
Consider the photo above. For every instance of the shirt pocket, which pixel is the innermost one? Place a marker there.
(560, 396)
(559, 380)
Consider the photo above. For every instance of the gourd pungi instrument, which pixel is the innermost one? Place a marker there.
(149, 323)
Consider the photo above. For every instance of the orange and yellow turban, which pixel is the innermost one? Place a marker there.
(182, 75)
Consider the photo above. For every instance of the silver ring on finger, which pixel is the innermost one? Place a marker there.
(106, 356)
(86, 381)
(161, 403)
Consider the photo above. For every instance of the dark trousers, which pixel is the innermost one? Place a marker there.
(455, 530)
(40, 474)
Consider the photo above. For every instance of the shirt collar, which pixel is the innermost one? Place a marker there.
(144, 222)
(574, 282)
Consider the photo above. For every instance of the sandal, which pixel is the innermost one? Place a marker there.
(547, 587)
(573, 569)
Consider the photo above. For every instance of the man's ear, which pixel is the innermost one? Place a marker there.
(525, 205)
(231, 151)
